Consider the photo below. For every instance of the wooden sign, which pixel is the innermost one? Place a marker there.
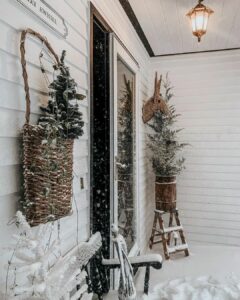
(46, 14)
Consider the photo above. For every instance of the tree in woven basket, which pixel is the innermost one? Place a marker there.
(163, 140)
(48, 150)
(62, 115)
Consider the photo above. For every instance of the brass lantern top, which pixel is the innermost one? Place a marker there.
(199, 16)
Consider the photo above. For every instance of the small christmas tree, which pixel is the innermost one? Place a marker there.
(125, 133)
(38, 271)
(163, 139)
(61, 116)
(125, 161)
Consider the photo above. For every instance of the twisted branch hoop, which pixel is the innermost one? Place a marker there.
(24, 64)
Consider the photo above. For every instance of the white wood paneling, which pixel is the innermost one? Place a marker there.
(12, 112)
(206, 88)
(12, 109)
(168, 29)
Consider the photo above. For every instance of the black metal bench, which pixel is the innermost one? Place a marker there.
(99, 275)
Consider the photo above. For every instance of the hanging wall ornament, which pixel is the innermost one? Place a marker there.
(48, 146)
(155, 103)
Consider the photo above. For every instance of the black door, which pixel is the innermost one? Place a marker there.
(100, 132)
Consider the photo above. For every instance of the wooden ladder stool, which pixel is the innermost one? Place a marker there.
(166, 233)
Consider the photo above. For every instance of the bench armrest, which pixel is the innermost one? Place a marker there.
(152, 260)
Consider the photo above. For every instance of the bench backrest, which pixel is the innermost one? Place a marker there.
(72, 274)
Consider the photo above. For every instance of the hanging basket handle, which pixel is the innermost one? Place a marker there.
(24, 67)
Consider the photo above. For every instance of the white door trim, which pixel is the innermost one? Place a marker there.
(120, 51)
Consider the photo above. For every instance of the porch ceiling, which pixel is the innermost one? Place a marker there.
(168, 30)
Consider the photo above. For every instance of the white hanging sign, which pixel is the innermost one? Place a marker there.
(47, 14)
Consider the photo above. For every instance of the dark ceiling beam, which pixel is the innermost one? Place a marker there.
(197, 52)
(133, 19)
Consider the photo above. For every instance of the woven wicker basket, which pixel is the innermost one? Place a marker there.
(47, 169)
(165, 193)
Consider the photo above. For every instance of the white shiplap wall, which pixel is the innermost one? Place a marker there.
(12, 107)
(207, 93)
(13, 19)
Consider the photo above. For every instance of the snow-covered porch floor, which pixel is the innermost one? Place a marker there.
(220, 262)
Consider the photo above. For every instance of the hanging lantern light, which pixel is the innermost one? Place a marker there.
(199, 16)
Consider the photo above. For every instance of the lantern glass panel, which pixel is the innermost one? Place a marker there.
(206, 16)
(199, 20)
(193, 21)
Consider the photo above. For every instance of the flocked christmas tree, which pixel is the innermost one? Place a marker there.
(62, 116)
(38, 271)
(125, 132)
(163, 140)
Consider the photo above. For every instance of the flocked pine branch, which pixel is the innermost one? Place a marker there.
(40, 271)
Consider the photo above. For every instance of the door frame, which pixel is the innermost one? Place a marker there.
(95, 16)
(94, 13)
(119, 51)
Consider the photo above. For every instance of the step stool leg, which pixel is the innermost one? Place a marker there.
(164, 240)
(169, 225)
(181, 231)
(153, 231)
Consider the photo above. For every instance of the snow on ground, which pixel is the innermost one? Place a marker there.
(201, 288)
(209, 273)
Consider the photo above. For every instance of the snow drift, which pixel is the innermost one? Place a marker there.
(201, 288)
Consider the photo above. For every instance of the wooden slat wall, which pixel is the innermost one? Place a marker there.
(13, 19)
(207, 91)
(12, 109)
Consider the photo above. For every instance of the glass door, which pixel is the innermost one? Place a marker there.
(125, 207)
